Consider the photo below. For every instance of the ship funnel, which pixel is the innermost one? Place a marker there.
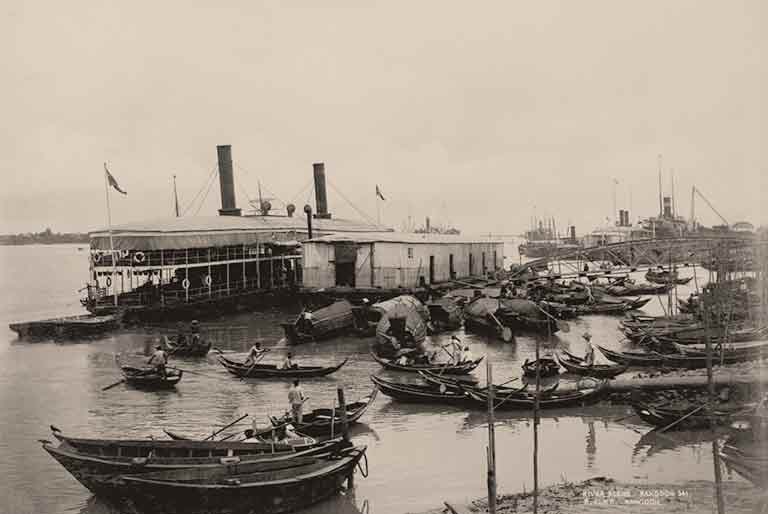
(227, 182)
(321, 199)
(667, 207)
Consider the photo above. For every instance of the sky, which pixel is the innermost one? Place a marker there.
(480, 115)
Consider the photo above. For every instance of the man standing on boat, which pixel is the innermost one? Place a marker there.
(589, 356)
(159, 359)
(255, 354)
(296, 400)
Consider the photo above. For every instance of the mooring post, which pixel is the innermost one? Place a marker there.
(491, 449)
(345, 429)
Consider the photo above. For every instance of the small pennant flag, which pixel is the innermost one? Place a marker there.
(615, 181)
(112, 181)
(378, 193)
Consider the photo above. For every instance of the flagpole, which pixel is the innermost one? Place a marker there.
(175, 196)
(111, 242)
(378, 209)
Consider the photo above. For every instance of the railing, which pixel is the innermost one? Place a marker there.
(191, 256)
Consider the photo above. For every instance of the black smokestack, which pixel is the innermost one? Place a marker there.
(667, 207)
(321, 200)
(227, 182)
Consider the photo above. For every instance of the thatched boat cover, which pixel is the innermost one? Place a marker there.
(521, 307)
(404, 307)
(480, 307)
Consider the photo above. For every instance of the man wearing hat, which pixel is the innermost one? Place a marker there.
(159, 359)
(589, 356)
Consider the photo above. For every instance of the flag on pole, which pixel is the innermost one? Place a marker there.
(112, 181)
(378, 193)
(615, 181)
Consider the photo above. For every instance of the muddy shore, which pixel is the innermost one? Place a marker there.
(601, 495)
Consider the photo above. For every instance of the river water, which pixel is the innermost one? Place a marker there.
(419, 455)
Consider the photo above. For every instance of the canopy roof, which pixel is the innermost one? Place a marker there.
(402, 237)
(215, 231)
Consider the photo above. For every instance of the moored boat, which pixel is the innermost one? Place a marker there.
(574, 364)
(67, 327)
(666, 277)
(192, 347)
(689, 417)
(96, 463)
(273, 489)
(524, 400)
(320, 323)
(257, 370)
(415, 393)
(463, 368)
(547, 367)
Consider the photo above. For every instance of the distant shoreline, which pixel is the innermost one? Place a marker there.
(47, 237)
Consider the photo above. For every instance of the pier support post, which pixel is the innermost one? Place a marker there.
(491, 449)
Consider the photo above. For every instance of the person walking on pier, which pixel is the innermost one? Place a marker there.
(296, 399)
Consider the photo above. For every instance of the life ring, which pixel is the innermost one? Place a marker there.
(97, 257)
(109, 281)
(207, 280)
(139, 257)
(124, 253)
(185, 283)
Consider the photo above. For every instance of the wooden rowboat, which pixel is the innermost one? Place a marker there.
(96, 463)
(576, 365)
(199, 348)
(693, 417)
(415, 393)
(325, 421)
(452, 369)
(278, 488)
(67, 327)
(257, 370)
(149, 378)
(524, 400)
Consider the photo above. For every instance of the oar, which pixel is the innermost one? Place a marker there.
(113, 385)
(560, 324)
(238, 420)
(504, 331)
(694, 411)
(188, 371)
(253, 366)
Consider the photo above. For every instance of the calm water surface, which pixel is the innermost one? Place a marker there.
(419, 455)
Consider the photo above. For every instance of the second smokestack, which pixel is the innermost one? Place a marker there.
(321, 198)
(227, 182)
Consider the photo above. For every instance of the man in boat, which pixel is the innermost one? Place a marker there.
(589, 356)
(255, 354)
(195, 330)
(296, 399)
(159, 359)
(466, 356)
(288, 362)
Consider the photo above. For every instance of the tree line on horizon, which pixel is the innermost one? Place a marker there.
(47, 236)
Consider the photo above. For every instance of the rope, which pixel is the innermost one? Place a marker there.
(360, 467)
(357, 210)
(301, 191)
(200, 191)
(210, 184)
(269, 191)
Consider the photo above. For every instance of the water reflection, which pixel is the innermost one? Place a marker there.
(591, 444)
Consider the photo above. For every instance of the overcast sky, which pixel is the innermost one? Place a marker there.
(476, 114)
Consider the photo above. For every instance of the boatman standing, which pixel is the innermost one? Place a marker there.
(159, 359)
(254, 354)
(589, 356)
(296, 400)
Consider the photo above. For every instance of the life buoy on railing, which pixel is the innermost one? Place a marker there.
(139, 257)
(97, 257)
(124, 253)
(207, 280)
(185, 283)
(109, 281)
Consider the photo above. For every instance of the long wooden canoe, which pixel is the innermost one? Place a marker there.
(257, 370)
(453, 369)
(286, 487)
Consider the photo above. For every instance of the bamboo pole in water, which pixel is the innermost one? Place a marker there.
(491, 449)
(711, 389)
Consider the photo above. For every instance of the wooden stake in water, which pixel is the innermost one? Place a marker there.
(491, 449)
(536, 427)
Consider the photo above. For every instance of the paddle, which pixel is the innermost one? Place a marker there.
(679, 420)
(504, 332)
(238, 420)
(565, 327)
(113, 385)
(255, 361)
